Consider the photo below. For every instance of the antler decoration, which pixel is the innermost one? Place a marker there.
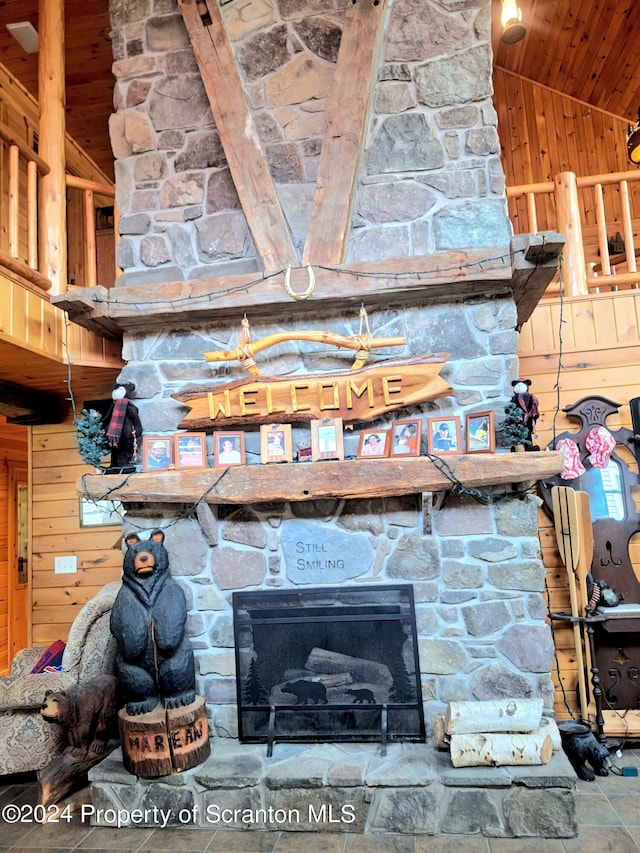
(363, 343)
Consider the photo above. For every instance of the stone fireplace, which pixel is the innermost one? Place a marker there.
(428, 210)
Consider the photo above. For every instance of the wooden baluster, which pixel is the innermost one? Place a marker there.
(14, 196)
(627, 226)
(32, 214)
(601, 222)
(532, 213)
(91, 270)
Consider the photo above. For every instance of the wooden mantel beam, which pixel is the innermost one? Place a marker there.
(306, 481)
(441, 277)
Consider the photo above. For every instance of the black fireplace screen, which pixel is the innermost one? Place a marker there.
(328, 664)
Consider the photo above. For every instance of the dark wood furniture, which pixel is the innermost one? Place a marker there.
(615, 519)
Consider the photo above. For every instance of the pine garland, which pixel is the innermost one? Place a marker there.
(92, 441)
(514, 430)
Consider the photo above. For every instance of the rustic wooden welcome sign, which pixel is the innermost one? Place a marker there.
(353, 395)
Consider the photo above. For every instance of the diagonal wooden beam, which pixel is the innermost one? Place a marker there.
(238, 135)
(347, 116)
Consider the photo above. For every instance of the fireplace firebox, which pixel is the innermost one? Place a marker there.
(328, 664)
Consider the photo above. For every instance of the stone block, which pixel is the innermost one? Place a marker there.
(496, 680)
(472, 812)
(322, 810)
(548, 813)
(406, 810)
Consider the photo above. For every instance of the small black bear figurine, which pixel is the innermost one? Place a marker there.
(528, 404)
(580, 745)
(123, 429)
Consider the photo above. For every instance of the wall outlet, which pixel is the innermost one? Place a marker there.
(65, 565)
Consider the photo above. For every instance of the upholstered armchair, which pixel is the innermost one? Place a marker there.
(27, 742)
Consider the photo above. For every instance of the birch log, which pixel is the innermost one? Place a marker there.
(439, 738)
(505, 715)
(494, 750)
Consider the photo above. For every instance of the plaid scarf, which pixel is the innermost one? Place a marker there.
(114, 430)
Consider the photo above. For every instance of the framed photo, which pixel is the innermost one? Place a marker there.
(444, 435)
(326, 439)
(374, 443)
(405, 439)
(481, 435)
(191, 450)
(275, 443)
(157, 452)
(228, 448)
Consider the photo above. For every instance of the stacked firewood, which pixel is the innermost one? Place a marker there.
(494, 733)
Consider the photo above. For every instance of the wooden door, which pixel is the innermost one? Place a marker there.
(18, 558)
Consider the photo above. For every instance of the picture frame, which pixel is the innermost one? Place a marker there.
(157, 453)
(480, 432)
(405, 438)
(275, 443)
(444, 435)
(373, 444)
(191, 450)
(327, 440)
(228, 448)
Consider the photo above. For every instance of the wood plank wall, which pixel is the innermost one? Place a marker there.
(13, 449)
(543, 133)
(57, 598)
(596, 338)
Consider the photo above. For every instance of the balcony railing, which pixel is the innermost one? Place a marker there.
(23, 226)
(600, 218)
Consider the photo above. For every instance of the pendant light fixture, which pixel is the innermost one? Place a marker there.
(513, 30)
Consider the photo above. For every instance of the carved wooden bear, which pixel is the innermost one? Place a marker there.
(580, 745)
(155, 659)
(86, 712)
(306, 691)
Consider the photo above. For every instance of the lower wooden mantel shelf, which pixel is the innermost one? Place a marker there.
(306, 481)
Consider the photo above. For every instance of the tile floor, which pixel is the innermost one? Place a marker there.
(608, 816)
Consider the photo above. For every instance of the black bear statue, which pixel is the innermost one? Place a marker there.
(154, 661)
(582, 749)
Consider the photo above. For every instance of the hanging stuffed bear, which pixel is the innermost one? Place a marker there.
(529, 406)
(123, 429)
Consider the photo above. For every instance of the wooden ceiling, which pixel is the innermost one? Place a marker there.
(582, 49)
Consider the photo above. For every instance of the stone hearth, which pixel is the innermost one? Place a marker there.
(343, 788)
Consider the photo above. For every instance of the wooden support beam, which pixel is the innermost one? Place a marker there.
(51, 98)
(358, 478)
(347, 116)
(238, 135)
